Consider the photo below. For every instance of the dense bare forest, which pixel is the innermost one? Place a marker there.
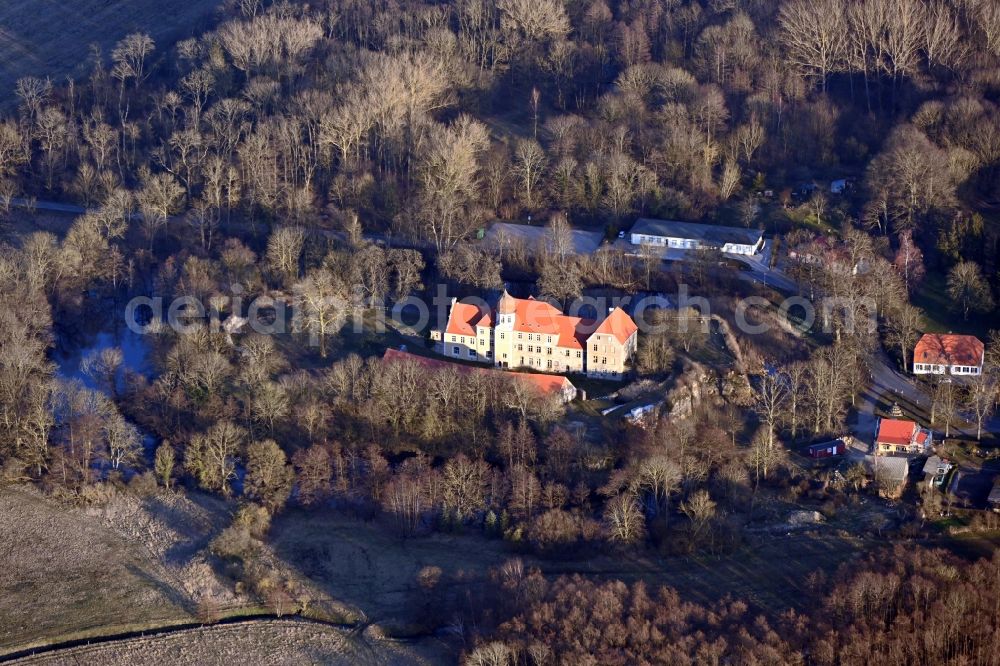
(338, 156)
(427, 119)
(909, 607)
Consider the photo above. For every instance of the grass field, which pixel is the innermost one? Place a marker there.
(62, 573)
(52, 37)
(256, 642)
(69, 573)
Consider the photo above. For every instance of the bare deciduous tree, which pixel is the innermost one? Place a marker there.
(623, 519)
(124, 441)
(449, 178)
(529, 164)
(269, 476)
(129, 56)
(815, 34)
(158, 200)
(323, 304)
(211, 457)
(284, 252)
(968, 289)
(981, 398)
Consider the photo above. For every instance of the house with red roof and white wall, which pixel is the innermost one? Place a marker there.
(532, 334)
(938, 354)
(900, 436)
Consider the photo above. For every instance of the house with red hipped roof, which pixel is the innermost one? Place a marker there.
(533, 334)
(938, 354)
(546, 384)
(899, 436)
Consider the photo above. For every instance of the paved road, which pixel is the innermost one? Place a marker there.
(889, 385)
(886, 386)
(771, 278)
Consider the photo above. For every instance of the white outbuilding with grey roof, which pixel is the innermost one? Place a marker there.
(692, 236)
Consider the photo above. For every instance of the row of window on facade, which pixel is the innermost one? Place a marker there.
(472, 340)
(672, 242)
(457, 351)
(957, 369)
(531, 348)
(531, 362)
(520, 336)
(537, 337)
(548, 350)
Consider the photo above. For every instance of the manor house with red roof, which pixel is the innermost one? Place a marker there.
(533, 334)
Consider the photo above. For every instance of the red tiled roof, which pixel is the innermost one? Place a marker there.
(545, 383)
(535, 316)
(618, 324)
(940, 349)
(531, 316)
(464, 318)
(895, 431)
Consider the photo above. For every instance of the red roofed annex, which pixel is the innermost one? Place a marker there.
(529, 333)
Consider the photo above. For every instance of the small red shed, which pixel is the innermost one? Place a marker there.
(827, 449)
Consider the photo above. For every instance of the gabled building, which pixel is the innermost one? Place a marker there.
(889, 474)
(693, 236)
(939, 354)
(899, 436)
(533, 334)
(468, 334)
